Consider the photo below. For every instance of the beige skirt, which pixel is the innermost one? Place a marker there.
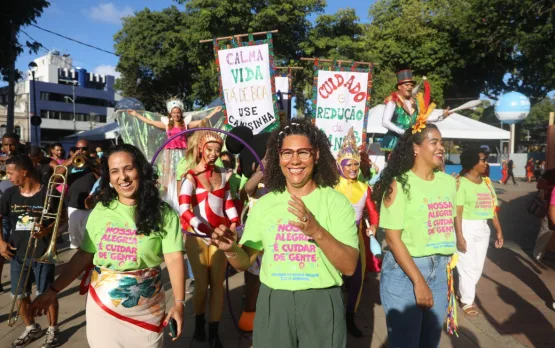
(125, 309)
(104, 330)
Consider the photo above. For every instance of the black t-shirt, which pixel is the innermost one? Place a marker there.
(79, 190)
(45, 171)
(22, 213)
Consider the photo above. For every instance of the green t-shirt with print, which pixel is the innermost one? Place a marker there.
(111, 236)
(479, 200)
(291, 260)
(427, 218)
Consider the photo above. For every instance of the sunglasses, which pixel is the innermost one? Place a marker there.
(84, 148)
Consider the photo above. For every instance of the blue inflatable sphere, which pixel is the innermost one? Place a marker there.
(512, 108)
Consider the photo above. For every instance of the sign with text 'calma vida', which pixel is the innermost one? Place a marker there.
(246, 87)
(341, 103)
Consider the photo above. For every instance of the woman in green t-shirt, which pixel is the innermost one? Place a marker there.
(308, 234)
(127, 237)
(417, 211)
(476, 204)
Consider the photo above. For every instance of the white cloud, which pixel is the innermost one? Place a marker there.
(109, 13)
(106, 70)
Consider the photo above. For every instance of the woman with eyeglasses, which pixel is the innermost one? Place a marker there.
(309, 237)
(476, 204)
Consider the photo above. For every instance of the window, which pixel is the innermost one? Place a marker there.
(57, 97)
(17, 130)
(68, 116)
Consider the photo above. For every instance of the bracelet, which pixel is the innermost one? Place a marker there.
(51, 287)
(181, 301)
(230, 257)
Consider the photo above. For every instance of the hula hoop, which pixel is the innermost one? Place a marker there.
(186, 131)
(240, 227)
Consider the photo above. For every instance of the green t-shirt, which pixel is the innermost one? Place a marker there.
(427, 218)
(111, 236)
(235, 185)
(291, 261)
(478, 200)
(182, 164)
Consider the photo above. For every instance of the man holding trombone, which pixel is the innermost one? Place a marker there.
(23, 205)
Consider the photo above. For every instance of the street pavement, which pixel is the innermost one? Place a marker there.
(514, 297)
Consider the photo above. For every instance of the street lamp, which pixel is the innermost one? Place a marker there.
(93, 118)
(34, 67)
(73, 101)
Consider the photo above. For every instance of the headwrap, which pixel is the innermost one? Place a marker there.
(348, 151)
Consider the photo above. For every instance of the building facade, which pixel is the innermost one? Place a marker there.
(68, 99)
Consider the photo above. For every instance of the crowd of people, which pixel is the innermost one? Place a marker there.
(299, 222)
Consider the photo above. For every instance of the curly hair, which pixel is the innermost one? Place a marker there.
(400, 162)
(470, 157)
(150, 210)
(325, 170)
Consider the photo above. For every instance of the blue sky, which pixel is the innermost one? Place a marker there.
(96, 22)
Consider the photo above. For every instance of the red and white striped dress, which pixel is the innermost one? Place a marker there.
(204, 210)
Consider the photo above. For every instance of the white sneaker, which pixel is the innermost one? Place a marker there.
(28, 336)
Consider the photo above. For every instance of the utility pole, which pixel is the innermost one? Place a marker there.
(11, 83)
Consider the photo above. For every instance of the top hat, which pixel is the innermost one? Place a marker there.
(404, 76)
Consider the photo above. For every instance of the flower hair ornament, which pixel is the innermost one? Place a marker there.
(424, 111)
(174, 103)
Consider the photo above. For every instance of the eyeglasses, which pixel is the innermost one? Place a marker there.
(287, 154)
(84, 148)
(483, 160)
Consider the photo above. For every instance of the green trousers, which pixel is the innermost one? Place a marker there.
(307, 318)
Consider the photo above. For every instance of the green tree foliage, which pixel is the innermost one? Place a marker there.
(465, 48)
(154, 62)
(162, 49)
(16, 14)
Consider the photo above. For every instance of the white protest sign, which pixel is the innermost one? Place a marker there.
(247, 86)
(341, 104)
(282, 85)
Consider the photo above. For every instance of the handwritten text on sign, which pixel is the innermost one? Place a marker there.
(247, 86)
(341, 104)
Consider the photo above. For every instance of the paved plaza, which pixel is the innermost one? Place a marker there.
(514, 297)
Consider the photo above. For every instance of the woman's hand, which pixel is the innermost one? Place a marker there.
(308, 224)
(215, 111)
(371, 231)
(41, 304)
(446, 113)
(461, 244)
(499, 241)
(423, 294)
(224, 238)
(132, 113)
(177, 313)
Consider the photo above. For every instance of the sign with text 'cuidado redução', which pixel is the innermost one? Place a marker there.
(341, 103)
(246, 86)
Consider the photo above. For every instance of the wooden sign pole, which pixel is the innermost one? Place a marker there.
(239, 35)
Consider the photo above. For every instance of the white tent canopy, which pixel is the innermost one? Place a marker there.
(454, 127)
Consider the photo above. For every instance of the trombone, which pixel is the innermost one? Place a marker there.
(52, 209)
